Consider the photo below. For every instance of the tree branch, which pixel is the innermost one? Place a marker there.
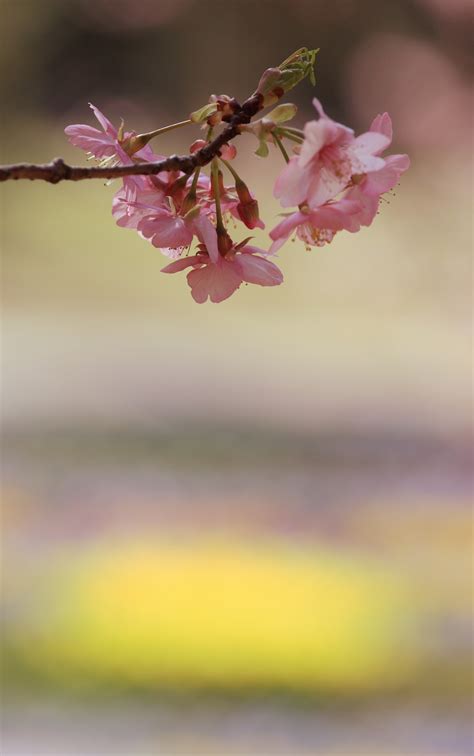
(57, 170)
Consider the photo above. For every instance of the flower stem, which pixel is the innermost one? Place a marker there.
(279, 144)
(195, 179)
(217, 199)
(164, 129)
(231, 169)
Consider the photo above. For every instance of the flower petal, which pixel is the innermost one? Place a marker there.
(383, 124)
(287, 225)
(184, 262)
(292, 184)
(372, 142)
(91, 140)
(218, 282)
(258, 270)
(206, 234)
(166, 230)
(104, 122)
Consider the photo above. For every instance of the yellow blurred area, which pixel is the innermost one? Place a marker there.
(226, 614)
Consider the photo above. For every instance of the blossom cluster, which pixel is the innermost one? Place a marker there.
(333, 181)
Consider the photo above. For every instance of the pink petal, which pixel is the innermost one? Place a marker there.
(277, 244)
(287, 225)
(184, 262)
(378, 182)
(383, 124)
(166, 231)
(249, 249)
(319, 107)
(325, 185)
(333, 218)
(317, 134)
(206, 234)
(258, 270)
(124, 158)
(91, 140)
(218, 282)
(368, 206)
(104, 122)
(292, 184)
(371, 142)
(401, 163)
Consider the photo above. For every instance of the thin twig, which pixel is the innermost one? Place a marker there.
(57, 170)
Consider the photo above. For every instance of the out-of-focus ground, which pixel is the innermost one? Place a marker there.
(242, 528)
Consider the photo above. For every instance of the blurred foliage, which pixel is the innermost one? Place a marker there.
(230, 615)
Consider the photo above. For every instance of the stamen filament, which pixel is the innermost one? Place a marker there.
(279, 144)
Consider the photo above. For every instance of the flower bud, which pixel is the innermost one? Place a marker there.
(248, 214)
(276, 81)
(228, 151)
(197, 145)
(247, 207)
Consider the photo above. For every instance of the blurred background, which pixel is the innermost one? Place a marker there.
(244, 528)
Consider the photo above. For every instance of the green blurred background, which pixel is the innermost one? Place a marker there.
(244, 528)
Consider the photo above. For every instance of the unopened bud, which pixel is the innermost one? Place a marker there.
(248, 214)
(197, 145)
(243, 191)
(276, 81)
(228, 151)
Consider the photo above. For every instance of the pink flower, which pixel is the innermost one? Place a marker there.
(329, 156)
(381, 180)
(218, 280)
(318, 227)
(172, 233)
(367, 188)
(351, 167)
(135, 200)
(108, 143)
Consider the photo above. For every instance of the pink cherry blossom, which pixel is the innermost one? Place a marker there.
(220, 279)
(381, 180)
(108, 143)
(329, 156)
(367, 188)
(135, 200)
(318, 227)
(173, 233)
